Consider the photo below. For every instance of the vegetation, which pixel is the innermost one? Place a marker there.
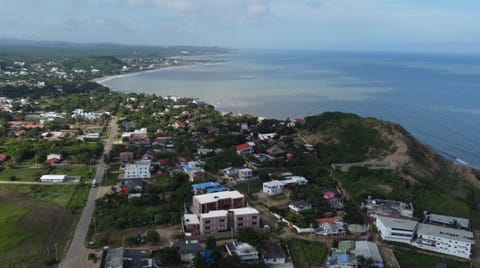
(414, 259)
(306, 254)
(10, 234)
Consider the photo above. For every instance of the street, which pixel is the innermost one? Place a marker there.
(77, 248)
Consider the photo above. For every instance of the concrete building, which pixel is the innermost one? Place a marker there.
(244, 174)
(388, 208)
(213, 222)
(191, 224)
(138, 170)
(298, 206)
(217, 201)
(244, 217)
(194, 170)
(454, 222)
(53, 178)
(187, 250)
(276, 186)
(207, 187)
(398, 230)
(246, 252)
(445, 240)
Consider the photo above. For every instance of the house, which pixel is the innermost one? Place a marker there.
(273, 187)
(331, 229)
(191, 224)
(138, 170)
(53, 178)
(132, 187)
(179, 124)
(342, 261)
(127, 258)
(54, 158)
(126, 156)
(213, 222)
(244, 174)
(273, 253)
(276, 151)
(246, 252)
(276, 186)
(137, 133)
(187, 250)
(244, 217)
(299, 206)
(455, 242)
(207, 187)
(397, 230)
(3, 157)
(368, 250)
(244, 149)
(217, 201)
(92, 136)
(194, 170)
(266, 136)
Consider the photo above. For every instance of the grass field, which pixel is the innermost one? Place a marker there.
(413, 259)
(33, 218)
(23, 174)
(10, 234)
(83, 171)
(306, 253)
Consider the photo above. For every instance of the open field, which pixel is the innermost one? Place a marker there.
(306, 254)
(22, 174)
(412, 259)
(34, 218)
(83, 171)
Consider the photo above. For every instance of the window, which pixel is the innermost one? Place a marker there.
(254, 217)
(240, 224)
(222, 220)
(207, 222)
(240, 218)
(207, 227)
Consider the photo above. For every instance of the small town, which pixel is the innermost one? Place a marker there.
(171, 182)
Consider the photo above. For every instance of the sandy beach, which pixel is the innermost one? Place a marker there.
(104, 79)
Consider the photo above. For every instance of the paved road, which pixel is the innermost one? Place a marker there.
(77, 248)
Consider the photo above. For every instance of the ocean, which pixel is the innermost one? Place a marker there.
(435, 97)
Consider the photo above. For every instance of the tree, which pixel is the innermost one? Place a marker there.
(153, 237)
(251, 237)
(211, 242)
(167, 256)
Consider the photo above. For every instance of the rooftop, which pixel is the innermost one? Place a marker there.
(244, 211)
(273, 250)
(445, 232)
(191, 219)
(398, 223)
(213, 197)
(205, 185)
(368, 250)
(449, 220)
(214, 214)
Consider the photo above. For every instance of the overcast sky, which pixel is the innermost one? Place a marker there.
(421, 25)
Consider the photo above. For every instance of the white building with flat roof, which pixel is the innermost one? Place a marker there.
(447, 220)
(244, 217)
(246, 252)
(53, 178)
(398, 230)
(445, 240)
(273, 187)
(138, 170)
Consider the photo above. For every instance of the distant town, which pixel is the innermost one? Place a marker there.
(135, 180)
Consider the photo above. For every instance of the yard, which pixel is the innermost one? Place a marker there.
(306, 254)
(34, 218)
(412, 259)
(74, 171)
(22, 174)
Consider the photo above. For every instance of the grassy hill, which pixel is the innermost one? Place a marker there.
(422, 176)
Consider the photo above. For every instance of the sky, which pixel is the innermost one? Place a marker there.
(376, 25)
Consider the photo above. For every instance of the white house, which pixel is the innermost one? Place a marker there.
(138, 170)
(244, 251)
(299, 206)
(244, 174)
(398, 230)
(331, 229)
(368, 250)
(53, 178)
(445, 240)
(273, 187)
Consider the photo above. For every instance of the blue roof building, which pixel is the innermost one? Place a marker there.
(208, 187)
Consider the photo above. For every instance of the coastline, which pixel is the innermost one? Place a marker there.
(103, 79)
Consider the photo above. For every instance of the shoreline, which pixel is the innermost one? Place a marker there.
(103, 79)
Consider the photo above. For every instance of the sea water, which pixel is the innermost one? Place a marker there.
(435, 97)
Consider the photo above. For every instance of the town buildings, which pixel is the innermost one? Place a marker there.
(139, 170)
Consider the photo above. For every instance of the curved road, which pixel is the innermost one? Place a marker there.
(77, 248)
